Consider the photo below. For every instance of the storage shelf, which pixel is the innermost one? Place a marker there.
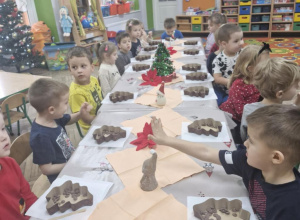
(262, 13)
(231, 14)
(230, 6)
(285, 4)
(262, 31)
(280, 13)
(260, 4)
(282, 22)
(261, 22)
(183, 23)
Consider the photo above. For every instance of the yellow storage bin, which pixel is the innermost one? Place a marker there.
(244, 18)
(196, 20)
(245, 2)
(297, 0)
(297, 17)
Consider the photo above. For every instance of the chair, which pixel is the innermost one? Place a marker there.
(20, 150)
(18, 102)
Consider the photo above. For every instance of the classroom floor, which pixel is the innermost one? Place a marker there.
(288, 48)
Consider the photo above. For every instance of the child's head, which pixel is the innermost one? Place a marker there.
(80, 62)
(170, 26)
(4, 139)
(274, 138)
(230, 37)
(277, 79)
(49, 96)
(215, 21)
(133, 28)
(107, 52)
(247, 60)
(124, 42)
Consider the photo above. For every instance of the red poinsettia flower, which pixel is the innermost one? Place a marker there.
(142, 140)
(171, 51)
(151, 78)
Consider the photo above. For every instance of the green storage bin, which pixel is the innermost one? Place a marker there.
(244, 27)
(296, 26)
(196, 27)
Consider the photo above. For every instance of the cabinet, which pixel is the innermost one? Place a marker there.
(192, 23)
(85, 36)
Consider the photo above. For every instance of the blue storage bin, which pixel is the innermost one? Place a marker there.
(256, 9)
(105, 11)
(266, 9)
(297, 8)
(256, 18)
(244, 10)
(265, 18)
(255, 27)
(264, 27)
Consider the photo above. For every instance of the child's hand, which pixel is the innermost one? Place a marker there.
(158, 133)
(150, 34)
(297, 100)
(85, 108)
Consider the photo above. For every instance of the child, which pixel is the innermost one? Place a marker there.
(16, 196)
(241, 89)
(277, 80)
(266, 165)
(49, 141)
(84, 88)
(133, 28)
(170, 28)
(108, 72)
(124, 53)
(214, 22)
(145, 38)
(213, 55)
(231, 39)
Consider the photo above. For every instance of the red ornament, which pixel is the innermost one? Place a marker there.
(15, 9)
(1, 29)
(12, 57)
(14, 14)
(151, 78)
(142, 141)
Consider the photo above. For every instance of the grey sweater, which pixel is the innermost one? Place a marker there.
(123, 60)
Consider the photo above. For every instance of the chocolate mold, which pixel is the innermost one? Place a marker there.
(191, 42)
(69, 195)
(142, 57)
(140, 67)
(169, 38)
(150, 48)
(197, 76)
(154, 42)
(107, 133)
(120, 96)
(191, 67)
(191, 51)
(206, 126)
(198, 91)
(221, 209)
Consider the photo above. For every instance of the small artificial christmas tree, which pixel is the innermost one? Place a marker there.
(162, 63)
(15, 39)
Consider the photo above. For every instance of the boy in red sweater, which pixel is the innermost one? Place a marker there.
(15, 194)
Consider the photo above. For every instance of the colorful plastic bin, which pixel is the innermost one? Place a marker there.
(255, 27)
(196, 20)
(297, 8)
(120, 9)
(105, 11)
(111, 35)
(244, 27)
(113, 9)
(196, 27)
(244, 18)
(265, 18)
(297, 17)
(264, 27)
(296, 26)
(256, 9)
(244, 10)
(56, 55)
(127, 7)
(256, 18)
(245, 2)
(266, 9)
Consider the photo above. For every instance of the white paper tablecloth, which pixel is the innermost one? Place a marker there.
(211, 95)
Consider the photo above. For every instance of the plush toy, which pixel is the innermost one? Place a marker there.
(84, 21)
(90, 19)
(66, 21)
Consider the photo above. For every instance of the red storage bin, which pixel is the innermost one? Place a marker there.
(120, 9)
(113, 9)
(127, 7)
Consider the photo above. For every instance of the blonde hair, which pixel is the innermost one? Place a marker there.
(218, 18)
(130, 23)
(225, 30)
(248, 57)
(279, 127)
(275, 74)
(106, 48)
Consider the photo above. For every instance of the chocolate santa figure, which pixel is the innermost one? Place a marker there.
(161, 98)
(148, 181)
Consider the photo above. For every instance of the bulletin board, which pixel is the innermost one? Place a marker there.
(202, 4)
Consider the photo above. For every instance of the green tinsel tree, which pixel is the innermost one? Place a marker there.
(162, 63)
(15, 39)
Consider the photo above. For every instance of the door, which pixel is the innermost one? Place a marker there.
(163, 9)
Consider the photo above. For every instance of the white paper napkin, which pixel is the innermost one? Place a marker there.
(210, 78)
(98, 189)
(191, 201)
(89, 140)
(211, 95)
(223, 136)
(106, 100)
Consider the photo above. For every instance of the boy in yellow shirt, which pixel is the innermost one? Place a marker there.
(84, 88)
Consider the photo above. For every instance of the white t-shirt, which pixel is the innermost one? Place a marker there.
(109, 76)
(224, 64)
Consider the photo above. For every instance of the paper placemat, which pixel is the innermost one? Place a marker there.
(223, 136)
(89, 140)
(191, 201)
(129, 69)
(203, 69)
(211, 95)
(98, 189)
(106, 100)
(210, 78)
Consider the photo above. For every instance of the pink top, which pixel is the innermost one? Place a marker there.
(240, 94)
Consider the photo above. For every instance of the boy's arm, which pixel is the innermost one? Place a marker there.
(51, 169)
(83, 114)
(219, 79)
(180, 35)
(164, 35)
(120, 65)
(197, 150)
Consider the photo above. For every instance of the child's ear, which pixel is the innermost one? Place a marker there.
(223, 43)
(277, 157)
(279, 94)
(51, 110)
(250, 68)
(93, 67)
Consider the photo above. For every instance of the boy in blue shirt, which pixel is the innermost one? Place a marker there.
(170, 28)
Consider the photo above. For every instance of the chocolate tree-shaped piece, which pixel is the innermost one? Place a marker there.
(162, 62)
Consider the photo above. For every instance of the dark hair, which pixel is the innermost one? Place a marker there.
(121, 36)
(226, 30)
(106, 47)
(169, 23)
(44, 93)
(218, 18)
(79, 52)
(130, 23)
(279, 127)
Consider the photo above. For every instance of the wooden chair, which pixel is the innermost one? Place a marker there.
(8, 106)
(20, 150)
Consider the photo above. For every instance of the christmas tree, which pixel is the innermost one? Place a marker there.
(15, 39)
(162, 62)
